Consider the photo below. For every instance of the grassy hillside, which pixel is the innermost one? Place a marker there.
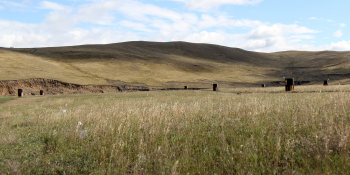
(170, 64)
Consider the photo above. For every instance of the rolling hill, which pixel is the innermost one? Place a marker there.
(171, 64)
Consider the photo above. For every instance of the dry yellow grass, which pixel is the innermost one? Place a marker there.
(171, 64)
(233, 131)
(158, 74)
(179, 132)
(16, 66)
(96, 71)
(297, 89)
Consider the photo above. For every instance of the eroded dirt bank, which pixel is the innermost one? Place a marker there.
(54, 87)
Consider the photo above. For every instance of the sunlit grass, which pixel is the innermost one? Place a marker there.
(152, 70)
(179, 132)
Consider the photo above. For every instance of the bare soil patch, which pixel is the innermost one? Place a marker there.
(54, 87)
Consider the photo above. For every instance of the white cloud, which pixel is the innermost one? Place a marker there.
(276, 37)
(263, 38)
(209, 4)
(99, 12)
(136, 26)
(149, 22)
(140, 11)
(1, 7)
(264, 31)
(342, 25)
(340, 46)
(204, 37)
(60, 21)
(16, 34)
(224, 21)
(302, 36)
(52, 6)
(160, 24)
(338, 33)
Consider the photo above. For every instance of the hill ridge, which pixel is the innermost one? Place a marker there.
(166, 64)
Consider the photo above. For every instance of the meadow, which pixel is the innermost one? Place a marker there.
(233, 131)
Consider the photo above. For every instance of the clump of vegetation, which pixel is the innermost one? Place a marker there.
(178, 132)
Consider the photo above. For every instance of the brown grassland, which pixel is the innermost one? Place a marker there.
(171, 64)
(233, 131)
(241, 129)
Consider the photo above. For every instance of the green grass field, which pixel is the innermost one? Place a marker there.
(257, 131)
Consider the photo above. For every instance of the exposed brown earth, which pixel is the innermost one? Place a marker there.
(21, 101)
(54, 87)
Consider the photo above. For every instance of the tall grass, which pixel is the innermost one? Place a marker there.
(178, 132)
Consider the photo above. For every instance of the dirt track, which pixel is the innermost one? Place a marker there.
(21, 101)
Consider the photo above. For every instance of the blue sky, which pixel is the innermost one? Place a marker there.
(256, 25)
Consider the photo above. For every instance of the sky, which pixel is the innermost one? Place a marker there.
(254, 25)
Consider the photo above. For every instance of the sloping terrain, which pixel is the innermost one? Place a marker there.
(171, 64)
(315, 66)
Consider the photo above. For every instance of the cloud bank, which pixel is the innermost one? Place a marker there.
(129, 20)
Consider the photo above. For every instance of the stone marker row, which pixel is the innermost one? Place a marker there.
(289, 84)
(20, 92)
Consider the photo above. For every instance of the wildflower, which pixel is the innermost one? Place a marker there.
(64, 111)
(79, 123)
